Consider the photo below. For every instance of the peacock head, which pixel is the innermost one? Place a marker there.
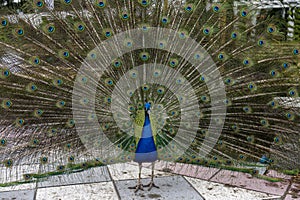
(147, 106)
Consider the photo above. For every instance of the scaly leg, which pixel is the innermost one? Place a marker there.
(139, 185)
(151, 184)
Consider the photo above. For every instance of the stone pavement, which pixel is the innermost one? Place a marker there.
(181, 181)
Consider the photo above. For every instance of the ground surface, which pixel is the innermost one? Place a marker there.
(182, 181)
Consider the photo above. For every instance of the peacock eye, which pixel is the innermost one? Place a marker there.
(3, 142)
(9, 163)
(243, 13)
(221, 56)
(206, 31)
(216, 8)
(3, 22)
(270, 30)
(273, 73)
(20, 121)
(292, 93)
(285, 65)
(234, 35)
(164, 20)
(66, 54)
(68, 1)
(80, 27)
(39, 4)
(20, 32)
(288, 115)
(125, 16)
(84, 79)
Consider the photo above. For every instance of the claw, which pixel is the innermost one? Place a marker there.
(137, 188)
(151, 185)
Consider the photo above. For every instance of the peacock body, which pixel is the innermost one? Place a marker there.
(75, 79)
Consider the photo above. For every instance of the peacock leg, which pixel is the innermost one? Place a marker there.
(151, 184)
(139, 185)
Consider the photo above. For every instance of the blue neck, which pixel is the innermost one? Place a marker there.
(147, 130)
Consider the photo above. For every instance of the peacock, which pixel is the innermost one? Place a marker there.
(94, 82)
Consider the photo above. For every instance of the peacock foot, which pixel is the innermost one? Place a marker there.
(151, 185)
(137, 187)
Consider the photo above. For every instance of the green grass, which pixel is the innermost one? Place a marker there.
(293, 172)
(73, 168)
(70, 168)
(267, 178)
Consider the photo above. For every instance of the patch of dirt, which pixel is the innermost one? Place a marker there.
(167, 170)
(295, 192)
(154, 196)
(228, 185)
(272, 184)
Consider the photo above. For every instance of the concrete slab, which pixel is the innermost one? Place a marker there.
(295, 191)
(94, 191)
(214, 191)
(16, 173)
(171, 187)
(275, 174)
(246, 181)
(195, 171)
(27, 186)
(97, 174)
(290, 197)
(18, 195)
(125, 171)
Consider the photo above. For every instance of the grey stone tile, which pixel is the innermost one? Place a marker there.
(171, 187)
(16, 173)
(247, 181)
(98, 174)
(213, 191)
(93, 191)
(124, 171)
(18, 195)
(25, 186)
